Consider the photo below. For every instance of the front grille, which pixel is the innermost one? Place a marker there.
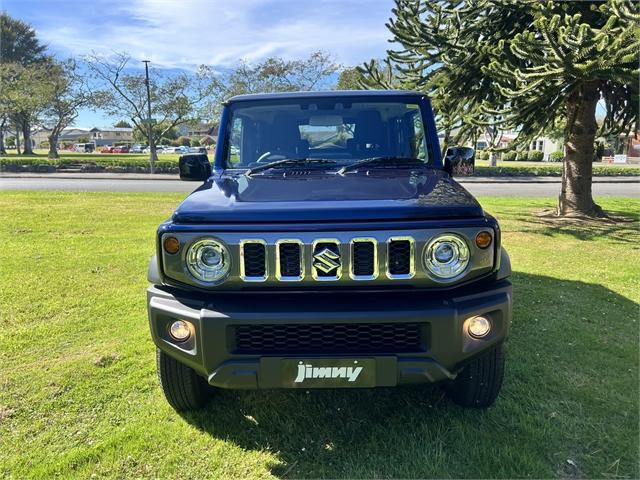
(290, 260)
(327, 259)
(364, 257)
(400, 257)
(330, 338)
(254, 260)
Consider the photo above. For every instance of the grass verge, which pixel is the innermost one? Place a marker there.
(79, 395)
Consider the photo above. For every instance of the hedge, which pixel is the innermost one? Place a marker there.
(141, 165)
(482, 155)
(509, 156)
(535, 156)
(556, 156)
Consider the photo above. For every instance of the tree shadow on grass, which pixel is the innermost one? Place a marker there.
(558, 413)
(620, 228)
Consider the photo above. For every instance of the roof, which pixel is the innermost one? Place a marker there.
(324, 94)
(112, 129)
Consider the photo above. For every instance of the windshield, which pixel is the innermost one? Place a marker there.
(330, 129)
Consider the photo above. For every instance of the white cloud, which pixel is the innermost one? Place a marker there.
(192, 32)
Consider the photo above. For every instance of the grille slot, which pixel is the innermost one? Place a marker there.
(254, 258)
(400, 259)
(364, 259)
(289, 260)
(353, 338)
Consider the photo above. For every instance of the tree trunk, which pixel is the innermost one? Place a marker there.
(576, 198)
(445, 143)
(53, 146)
(153, 156)
(3, 151)
(493, 158)
(17, 140)
(26, 137)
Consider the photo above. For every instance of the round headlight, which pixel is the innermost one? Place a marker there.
(208, 260)
(446, 256)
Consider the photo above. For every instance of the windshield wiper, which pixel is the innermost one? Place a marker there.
(385, 161)
(287, 161)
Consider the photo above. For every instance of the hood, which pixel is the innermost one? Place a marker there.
(311, 195)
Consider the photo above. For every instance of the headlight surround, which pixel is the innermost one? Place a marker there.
(446, 256)
(208, 261)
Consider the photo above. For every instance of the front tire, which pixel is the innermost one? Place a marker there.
(479, 383)
(183, 387)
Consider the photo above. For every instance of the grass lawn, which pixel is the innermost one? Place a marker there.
(79, 394)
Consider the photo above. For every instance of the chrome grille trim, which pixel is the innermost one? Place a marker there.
(412, 260)
(243, 274)
(482, 262)
(376, 268)
(289, 278)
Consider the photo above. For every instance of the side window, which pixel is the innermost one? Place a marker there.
(234, 155)
(419, 144)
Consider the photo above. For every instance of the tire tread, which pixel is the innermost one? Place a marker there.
(480, 381)
(182, 386)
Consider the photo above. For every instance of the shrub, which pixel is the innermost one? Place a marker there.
(195, 142)
(509, 156)
(482, 155)
(185, 141)
(556, 156)
(535, 156)
(207, 140)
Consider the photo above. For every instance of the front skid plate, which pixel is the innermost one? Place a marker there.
(327, 372)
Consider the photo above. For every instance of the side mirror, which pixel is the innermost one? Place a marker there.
(194, 167)
(460, 161)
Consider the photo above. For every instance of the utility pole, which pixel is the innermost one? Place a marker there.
(152, 147)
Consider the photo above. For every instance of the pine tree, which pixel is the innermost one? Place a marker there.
(529, 66)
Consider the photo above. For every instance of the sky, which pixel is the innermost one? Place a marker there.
(182, 34)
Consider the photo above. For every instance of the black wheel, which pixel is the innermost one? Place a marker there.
(183, 387)
(479, 383)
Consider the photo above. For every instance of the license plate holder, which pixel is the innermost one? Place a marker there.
(329, 372)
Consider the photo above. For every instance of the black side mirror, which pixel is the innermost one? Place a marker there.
(460, 161)
(194, 167)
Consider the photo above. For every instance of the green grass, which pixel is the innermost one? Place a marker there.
(79, 395)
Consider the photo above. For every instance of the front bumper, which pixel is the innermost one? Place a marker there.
(211, 350)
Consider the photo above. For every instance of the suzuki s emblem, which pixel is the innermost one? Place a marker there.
(327, 261)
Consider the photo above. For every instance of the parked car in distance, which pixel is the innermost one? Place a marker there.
(197, 150)
(335, 251)
(84, 147)
(121, 149)
(137, 148)
(106, 149)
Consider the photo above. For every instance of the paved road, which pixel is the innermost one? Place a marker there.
(547, 189)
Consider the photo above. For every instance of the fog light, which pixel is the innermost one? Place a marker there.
(479, 327)
(179, 330)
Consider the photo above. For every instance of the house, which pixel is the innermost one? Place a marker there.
(544, 144)
(197, 131)
(96, 135)
(111, 135)
(70, 134)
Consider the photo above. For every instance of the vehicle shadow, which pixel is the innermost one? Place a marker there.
(562, 337)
